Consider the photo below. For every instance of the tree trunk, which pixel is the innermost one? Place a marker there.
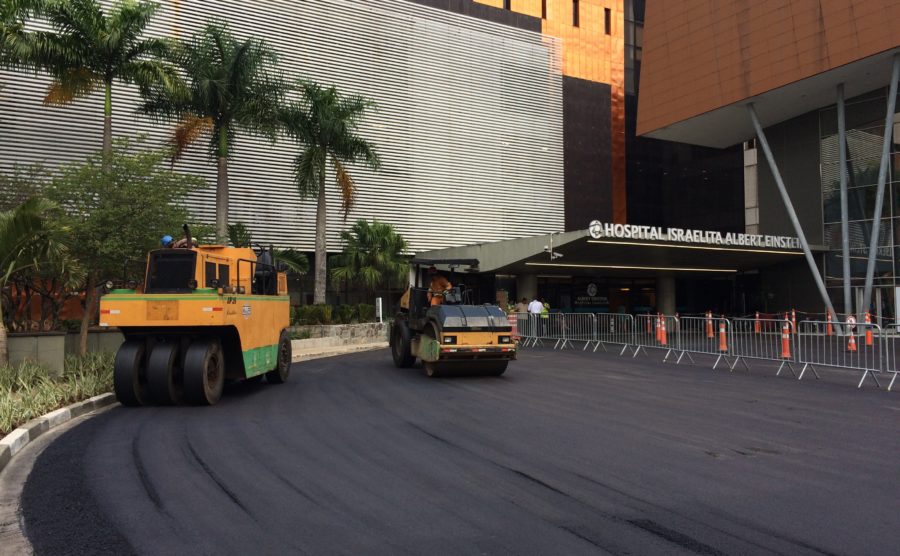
(90, 307)
(4, 347)
(321, 248)
(222, 201)
(107, 125)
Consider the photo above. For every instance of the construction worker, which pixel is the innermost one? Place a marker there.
(438, 286)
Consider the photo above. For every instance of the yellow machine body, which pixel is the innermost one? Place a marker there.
(222, 304)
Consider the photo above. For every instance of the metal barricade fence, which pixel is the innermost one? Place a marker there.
(577, 327)
(859, 347)
(553, 328)
(614, 329)
(529, 329)
(763, 339)
(704, 335)
(655, 331)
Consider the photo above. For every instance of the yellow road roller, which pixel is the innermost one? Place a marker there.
(206, 313)
(439, 324)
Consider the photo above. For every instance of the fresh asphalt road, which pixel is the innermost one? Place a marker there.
(568, 453)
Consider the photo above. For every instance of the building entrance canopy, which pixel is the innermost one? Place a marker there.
(633, 251)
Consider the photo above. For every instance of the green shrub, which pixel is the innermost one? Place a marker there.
(296, 315)
(313, 314)
(29, 390)
(366, 312)
(345, 314)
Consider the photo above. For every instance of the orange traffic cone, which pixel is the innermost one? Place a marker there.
(794, 319)
(786, 340)
(786, 318)
(658, 332)
(851, 343)
(723, 341)
(662, 330)
(756, 326)
(868, 329)
(829, 328)
(709, 325)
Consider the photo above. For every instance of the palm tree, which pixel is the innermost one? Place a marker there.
(27, 241)
(372, 258)
(90, 50)
(233, 88)
(15, 49)
(324, 123)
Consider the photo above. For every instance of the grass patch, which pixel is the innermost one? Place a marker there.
(29, 390)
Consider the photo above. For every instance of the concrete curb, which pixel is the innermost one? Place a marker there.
(13, 443)
(345, 350)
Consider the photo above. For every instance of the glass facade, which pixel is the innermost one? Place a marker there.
(865, 132)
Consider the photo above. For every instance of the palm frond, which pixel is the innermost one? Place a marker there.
(188, 131)
(239, 235)
(309, 171)
(346, 186)
(74, 83)
(295, 261)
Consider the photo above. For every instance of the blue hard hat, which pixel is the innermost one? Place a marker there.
(166, 240)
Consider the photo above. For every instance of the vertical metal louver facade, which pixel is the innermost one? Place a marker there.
(469, 121)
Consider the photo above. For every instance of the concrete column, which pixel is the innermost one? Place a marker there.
(526, 286)
(665, 294)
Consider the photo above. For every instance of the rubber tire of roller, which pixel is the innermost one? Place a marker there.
(129, 374)
(401, 345)
(282, 370)
(204, 372)
(162, 371)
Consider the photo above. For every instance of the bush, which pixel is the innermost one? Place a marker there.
(313, 314)
(366, 312)
(345, 314)
(29, 390)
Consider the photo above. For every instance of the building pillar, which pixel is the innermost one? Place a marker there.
(526, 286)
(665, 294)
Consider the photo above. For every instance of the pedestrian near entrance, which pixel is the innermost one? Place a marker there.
(545, 316)
(522, 306)
(534, 316)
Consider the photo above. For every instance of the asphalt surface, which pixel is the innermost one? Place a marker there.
(568, 453)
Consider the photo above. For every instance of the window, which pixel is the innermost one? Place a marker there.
(543, 9)
(209, 270)
(507, 4)
(607, 21)
(223, 275)
(575, 13)
(171, 271)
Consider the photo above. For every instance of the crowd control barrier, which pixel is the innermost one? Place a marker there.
(577, 327)
(614, 329)
(764, 339)
(655, 331)
(810, 344)
(862, 347)
(707, 335)
(529, 328)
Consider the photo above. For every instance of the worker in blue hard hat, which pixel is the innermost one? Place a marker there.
(166, 241)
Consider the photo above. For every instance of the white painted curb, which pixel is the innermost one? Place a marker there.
(13, 443)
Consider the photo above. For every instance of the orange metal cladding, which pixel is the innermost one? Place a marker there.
(590, 54)
(701, 55)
